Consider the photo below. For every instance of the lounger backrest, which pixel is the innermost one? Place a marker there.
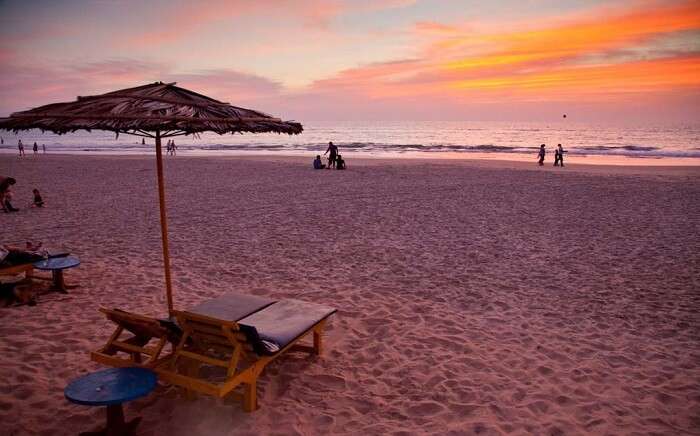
(139, 325)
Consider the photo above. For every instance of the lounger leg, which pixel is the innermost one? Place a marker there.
(318, 340)
(250, 400)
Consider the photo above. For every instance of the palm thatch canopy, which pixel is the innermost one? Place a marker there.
(144, 110)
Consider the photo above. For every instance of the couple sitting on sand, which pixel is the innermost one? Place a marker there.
(6, 195)
(334, 159)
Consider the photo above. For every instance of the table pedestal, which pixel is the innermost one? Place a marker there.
(115, 424)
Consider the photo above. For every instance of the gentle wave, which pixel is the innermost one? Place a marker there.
(601, 150)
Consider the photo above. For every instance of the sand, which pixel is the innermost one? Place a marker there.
(473, 297)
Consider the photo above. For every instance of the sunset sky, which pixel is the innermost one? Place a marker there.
(636, 61)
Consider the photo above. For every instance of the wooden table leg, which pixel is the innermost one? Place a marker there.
(58, 282)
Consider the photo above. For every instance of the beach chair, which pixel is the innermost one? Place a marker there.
(241, 349)
(136, 349)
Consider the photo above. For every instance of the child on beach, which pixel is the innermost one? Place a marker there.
(541, 155)
(318, 165)
(339, 163)
(38, 201)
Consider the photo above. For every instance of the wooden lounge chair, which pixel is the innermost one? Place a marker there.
(135, 350)
(242, 348)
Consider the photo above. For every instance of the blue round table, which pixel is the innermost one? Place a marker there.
(56, 265)
(112, 387)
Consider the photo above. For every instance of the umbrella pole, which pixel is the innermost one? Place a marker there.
(164, 223)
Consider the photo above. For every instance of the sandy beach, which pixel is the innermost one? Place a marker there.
(473, 297)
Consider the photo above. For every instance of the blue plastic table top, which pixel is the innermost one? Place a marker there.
(57, 263)
(111, 386)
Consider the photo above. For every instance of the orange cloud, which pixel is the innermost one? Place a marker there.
(556, 60)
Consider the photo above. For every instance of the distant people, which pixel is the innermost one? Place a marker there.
(173, 147)
(540, 155)
(339, 163)
(5, 194)
(167, 148)
(43, 147)
(143, 141)
(559, 151)
(20, 146)
(2, 141)
(318, 165)
(333, 154)
(36, 148)
(38, 201)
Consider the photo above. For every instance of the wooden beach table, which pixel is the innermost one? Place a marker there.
(56, 265)
(110, 388)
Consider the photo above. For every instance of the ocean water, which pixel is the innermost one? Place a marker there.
(452, 139)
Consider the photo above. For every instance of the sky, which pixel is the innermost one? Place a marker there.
(507, 60)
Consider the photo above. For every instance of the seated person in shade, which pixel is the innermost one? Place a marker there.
(38, 201)
(318, 165)
(339, 163)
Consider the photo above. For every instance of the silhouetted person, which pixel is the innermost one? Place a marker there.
(38, 201)
(143, 141)
(36, 148)
(43, 147)
(20, 146)
(339, 163)
(561, 154)
(2, 141)
(318, 165)
(334, 153)
(540, 155)
(173, 148)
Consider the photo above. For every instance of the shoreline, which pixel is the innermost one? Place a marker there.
(672, 166)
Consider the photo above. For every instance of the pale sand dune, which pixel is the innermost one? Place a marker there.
(473, 297)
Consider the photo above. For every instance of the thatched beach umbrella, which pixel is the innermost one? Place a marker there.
(159, 110)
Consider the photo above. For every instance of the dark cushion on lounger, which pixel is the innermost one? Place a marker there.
(274, 327)
(231, 306)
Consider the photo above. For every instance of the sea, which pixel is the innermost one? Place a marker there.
(415, 139)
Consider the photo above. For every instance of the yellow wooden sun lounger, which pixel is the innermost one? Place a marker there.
(241, 348)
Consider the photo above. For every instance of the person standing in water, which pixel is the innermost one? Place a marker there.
(20, 146)
(540, 155)
(332, 157)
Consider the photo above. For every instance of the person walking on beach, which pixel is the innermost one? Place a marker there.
(332, 157)
(559, 151)
(20, 146)
(540, 155)
(36, 148)
(173, 148)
